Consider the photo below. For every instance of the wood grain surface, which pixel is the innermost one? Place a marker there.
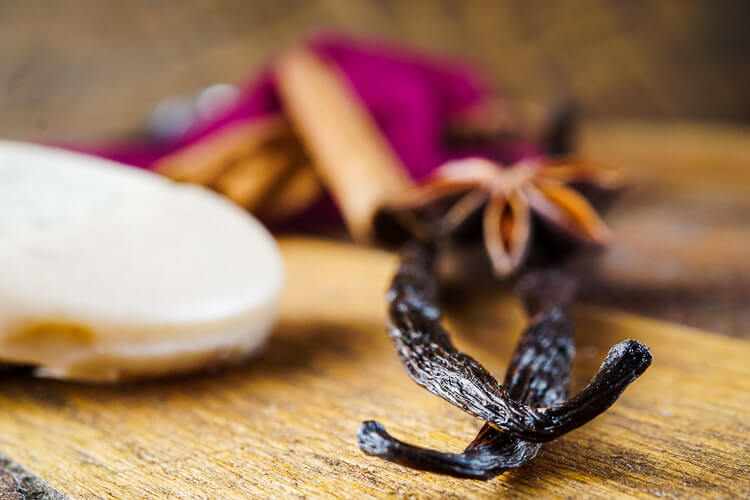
(283, 425)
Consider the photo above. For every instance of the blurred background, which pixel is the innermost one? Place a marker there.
(664, 87)
(92, 68)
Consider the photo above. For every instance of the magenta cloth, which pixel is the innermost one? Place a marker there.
(411, 97)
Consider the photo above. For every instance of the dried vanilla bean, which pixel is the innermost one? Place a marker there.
(538, 375)
(529, 408)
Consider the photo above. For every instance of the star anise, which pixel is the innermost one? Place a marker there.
(509, 198)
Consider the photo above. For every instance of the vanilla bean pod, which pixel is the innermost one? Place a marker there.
(529, 409)
(538, 375)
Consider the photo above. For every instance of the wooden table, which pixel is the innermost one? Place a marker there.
(283, 425)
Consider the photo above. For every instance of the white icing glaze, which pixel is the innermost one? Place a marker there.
(147, 269)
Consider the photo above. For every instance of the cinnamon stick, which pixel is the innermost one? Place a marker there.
(251, 180)
(299, 190)
(202, 162)
(350, 154)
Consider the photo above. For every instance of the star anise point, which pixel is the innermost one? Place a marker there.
(511, 198)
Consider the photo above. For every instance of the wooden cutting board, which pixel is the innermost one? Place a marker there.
(284, 425)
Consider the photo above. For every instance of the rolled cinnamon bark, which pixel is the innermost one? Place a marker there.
(250, 181)
(300, 190)
(202, 162)
(352, 157)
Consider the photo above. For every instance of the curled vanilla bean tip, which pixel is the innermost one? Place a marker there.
(624, 363)
(373, 439)
(483, 462)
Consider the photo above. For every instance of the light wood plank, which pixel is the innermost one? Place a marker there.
(284, 424)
